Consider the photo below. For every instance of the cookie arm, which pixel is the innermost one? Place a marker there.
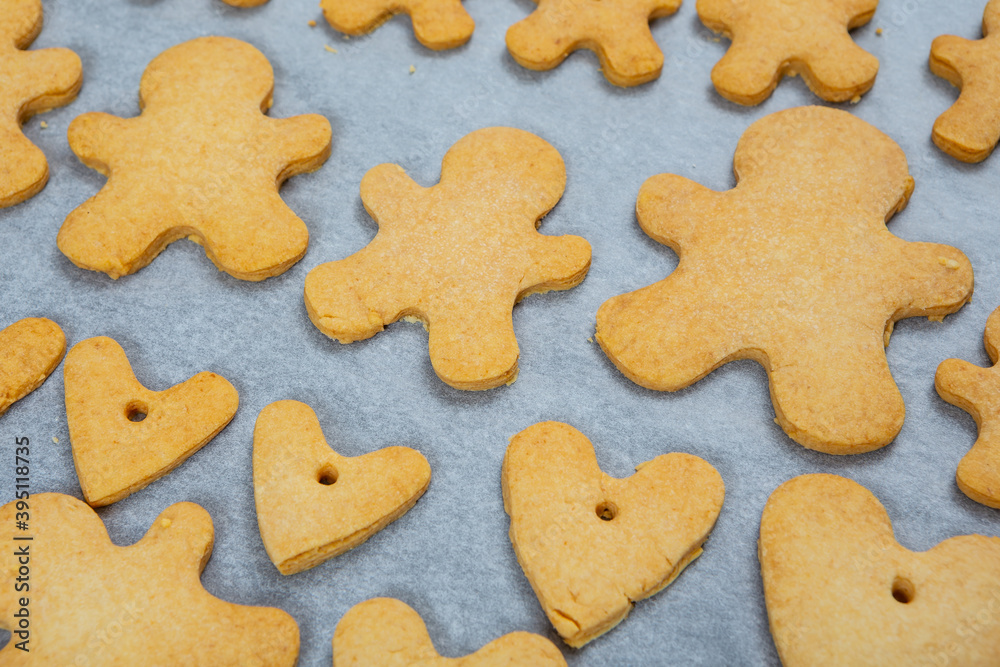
(671, 209)
(936, 280)
(389, 195)
(181, 538)
(303, 143)
(55, 79)
(94, 136)
(958, 381)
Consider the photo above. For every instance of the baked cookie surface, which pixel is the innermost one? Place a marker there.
(32, 82)
(457, 255)
(795, 269)
(592, 545)
(774, 38)
(437, 24)
(314, 504)
(201, 161)
(970, 129)
(389, 633)
(102, 604)
(616, 30)
(30, 349)
(977, 391)
(125, 436)
(840, 590)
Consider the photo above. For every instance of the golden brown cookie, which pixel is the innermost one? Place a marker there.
(970, 129)
(793, 268)
(30, 82)
(456, 256)
(772, 38)
(616, 30)
(201, 161)
(437, 24)
(388, 633)
(125, 436)
(314, 504)
(30, 349)
(91, 602)
(977, 391)
(590, 544)
(840, 590)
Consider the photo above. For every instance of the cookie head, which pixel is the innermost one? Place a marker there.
(818, 149)
(213, 68)
(511, 168)
(22, 21)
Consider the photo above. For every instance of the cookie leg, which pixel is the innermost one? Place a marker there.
(836, 399)
(630, 59)
(348, 300)
(747, 74)
(441, 25)
(23, 168)
(839, 70)
(476, 349)
(357, 17)
(258, 239)
(116, 232)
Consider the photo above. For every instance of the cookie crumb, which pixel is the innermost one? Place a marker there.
(165, 523)
(312, 24)
(44, 124)
(948, 263)
(412, 69)
(590, 340)
(878, 31)
(55, 440)
(329, 48)
(935, 318)
(855, 99)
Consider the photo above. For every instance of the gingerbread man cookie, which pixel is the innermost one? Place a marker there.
(314, 504)
(125, 436)
(90, 602)
(616, 30)
(795, 269)
(457, 255)
(977, 391)
(591, 545)
(30, 349)
(32, 82)
(437, 24)
(772, 38)
(970, 129)
(840, 590)
(389, 633)
(201, 161)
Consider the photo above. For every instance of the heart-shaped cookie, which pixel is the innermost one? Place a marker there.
(30, 349)
(591, 544)
(388, 633)
(841, 591)
(313, 503)
(125, 436)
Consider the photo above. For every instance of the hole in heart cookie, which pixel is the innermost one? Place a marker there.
(327, 476)
(607, 510)
(903, 590)
(136, 411)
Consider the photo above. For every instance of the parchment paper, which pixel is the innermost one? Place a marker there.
(450, 557)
